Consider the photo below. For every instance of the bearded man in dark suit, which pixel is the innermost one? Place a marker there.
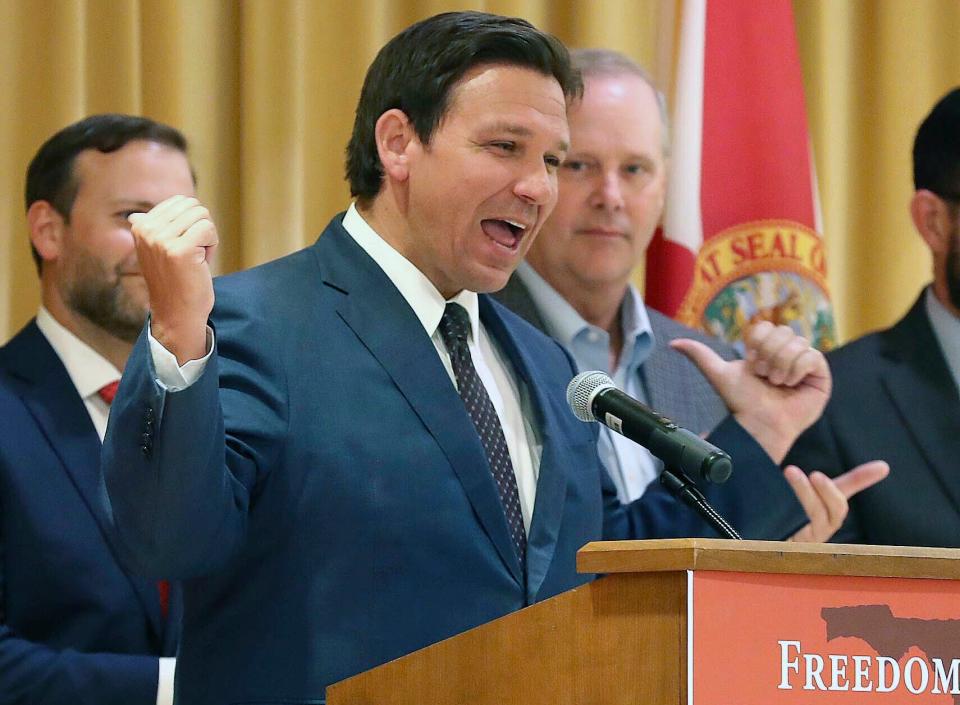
(895, 394)
(75, 626)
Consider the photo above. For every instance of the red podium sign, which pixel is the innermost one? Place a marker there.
(757, 639)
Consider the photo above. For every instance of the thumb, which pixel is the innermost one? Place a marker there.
(710, 363)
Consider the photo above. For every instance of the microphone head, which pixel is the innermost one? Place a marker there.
(583, 389)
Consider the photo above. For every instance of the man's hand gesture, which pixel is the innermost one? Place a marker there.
(175, 241)
(775, 393)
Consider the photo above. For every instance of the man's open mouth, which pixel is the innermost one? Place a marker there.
(504, 232)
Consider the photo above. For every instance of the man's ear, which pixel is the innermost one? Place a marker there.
(46, 229)
(395, 137)
(931, 218)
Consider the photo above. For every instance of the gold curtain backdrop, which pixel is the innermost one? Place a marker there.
(265, 92)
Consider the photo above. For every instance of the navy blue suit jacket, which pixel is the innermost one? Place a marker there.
(75, 627)
(895, 399)
(324, 493)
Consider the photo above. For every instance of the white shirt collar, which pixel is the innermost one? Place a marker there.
(89, 370)
(418, 291)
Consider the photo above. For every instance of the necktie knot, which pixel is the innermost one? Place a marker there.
(454, 325)
(108, 391)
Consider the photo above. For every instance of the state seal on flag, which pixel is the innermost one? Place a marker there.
(766, 270)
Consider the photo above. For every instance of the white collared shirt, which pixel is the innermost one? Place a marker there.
(88, 370)
(493, 367)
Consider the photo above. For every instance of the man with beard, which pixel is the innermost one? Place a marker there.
(74, 625)
(575, 285)
(895, 391)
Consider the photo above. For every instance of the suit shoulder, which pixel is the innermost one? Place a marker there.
(856, 368)
(269, 274)
(279, 282)
(266, 289)
(911, 337)
(666, 329)
(853, 353)
(23, 343)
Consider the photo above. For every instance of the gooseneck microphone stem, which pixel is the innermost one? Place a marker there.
(684, 489)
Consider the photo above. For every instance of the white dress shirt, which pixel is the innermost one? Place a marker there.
(88, 370)
(510, 401)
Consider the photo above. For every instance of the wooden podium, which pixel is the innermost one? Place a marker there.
(702, 621)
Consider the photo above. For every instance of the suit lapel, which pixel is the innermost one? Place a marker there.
(669, 387)
(552, 479)
(657, 391)
(674, 385)
(386, 325)
(49, 395)
(919, 383)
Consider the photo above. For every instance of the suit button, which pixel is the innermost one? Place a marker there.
(145, 449)
(148, 414)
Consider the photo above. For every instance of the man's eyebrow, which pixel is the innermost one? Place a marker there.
(510, 128)
(132, 203)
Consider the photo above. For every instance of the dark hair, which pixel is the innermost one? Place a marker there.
(936, 149)
(51, 177)
(416, 70)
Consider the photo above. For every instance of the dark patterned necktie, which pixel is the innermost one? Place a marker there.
(108, 392)
(454, 329)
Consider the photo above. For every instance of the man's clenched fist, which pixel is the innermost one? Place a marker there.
(175, 241)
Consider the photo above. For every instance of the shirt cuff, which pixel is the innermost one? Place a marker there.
(171, 376)
(165, 682)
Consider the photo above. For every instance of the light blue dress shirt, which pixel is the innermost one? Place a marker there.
(631, 466)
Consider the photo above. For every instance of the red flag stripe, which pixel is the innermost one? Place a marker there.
(755, 140)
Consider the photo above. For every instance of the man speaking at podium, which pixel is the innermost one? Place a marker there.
(360, 455)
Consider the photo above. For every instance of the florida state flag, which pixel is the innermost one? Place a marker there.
(741, 234)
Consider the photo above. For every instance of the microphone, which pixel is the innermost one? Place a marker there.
(592, 396)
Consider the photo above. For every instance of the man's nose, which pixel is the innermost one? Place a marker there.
(608, 193)
(538, 186)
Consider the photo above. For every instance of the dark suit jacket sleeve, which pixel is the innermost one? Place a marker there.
(756, 500)
(817, 449)
(179, 486)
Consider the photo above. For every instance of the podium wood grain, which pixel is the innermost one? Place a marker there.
(623, 636)
(621, 640)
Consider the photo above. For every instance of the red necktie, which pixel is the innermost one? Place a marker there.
(107, 392)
